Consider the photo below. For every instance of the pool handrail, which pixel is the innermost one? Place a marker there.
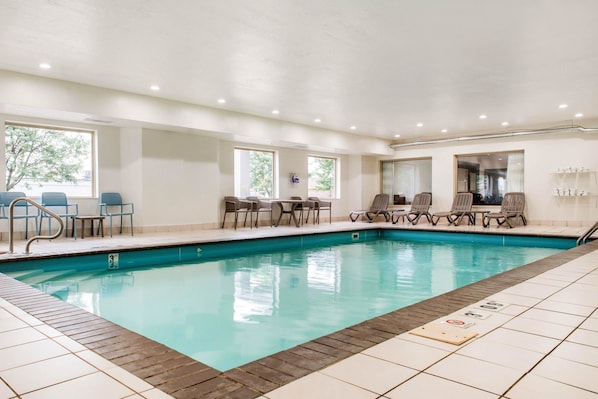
(584, 237)
(37, 237)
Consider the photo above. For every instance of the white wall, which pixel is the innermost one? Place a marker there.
(177, 180)
(40, 97)
(543, 155)
(180, 179)
(175, 160)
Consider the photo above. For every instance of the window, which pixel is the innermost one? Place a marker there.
(254, 173)
(402, 179)
(322, 177)
(490, 176)
(42, 158)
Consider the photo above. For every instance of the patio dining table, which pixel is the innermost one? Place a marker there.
(288, 207)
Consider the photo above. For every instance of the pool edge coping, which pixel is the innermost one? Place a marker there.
(183, 377)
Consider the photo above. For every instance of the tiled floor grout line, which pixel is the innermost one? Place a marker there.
(456, 351)
(97, 370)
(563, 340)
(68, 350)
(505, 393)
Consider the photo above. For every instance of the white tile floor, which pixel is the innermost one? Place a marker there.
(543, 345)
(38, 362)
(546, 348)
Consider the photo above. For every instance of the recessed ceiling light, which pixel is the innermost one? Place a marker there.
(505, 123)
(443, 131)
(221, 101)
(419, 124)
(483, 116)
(397, 136)
(578, 115)
(45, 65)
(275, 112)
(563, 106)
(353, 127)
(317, 120)
(155, 87)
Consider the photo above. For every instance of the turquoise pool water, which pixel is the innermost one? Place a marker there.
(229, 310)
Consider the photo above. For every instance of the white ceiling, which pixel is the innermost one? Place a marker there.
(380, 65)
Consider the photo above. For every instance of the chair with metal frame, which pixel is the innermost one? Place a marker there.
(304, 206)
(111, 205)
(234, 205)
(58, 203)
(317, 205)
(21, 209)
(260, 206)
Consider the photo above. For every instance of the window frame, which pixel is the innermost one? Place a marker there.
(93, 152)
(336, 170)
(389, 183)
(236, 178)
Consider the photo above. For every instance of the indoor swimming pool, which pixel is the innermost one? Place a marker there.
(226, 304)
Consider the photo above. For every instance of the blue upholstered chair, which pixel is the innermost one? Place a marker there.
(111, 204)
(22, 209)
(58, 203)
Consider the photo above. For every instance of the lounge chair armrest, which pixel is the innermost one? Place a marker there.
(105, 209)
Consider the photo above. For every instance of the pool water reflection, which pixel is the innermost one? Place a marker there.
(235, 310)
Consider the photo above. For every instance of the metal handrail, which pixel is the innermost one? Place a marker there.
(584, 237)
(38, 237)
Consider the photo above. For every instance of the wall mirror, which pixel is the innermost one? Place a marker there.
(490, 175)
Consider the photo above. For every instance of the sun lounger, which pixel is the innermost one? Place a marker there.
(461, 208)
(512, 207)
(420, 206)
(379, 207)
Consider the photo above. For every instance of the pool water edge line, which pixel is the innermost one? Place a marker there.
(183, 377)
(367, 230)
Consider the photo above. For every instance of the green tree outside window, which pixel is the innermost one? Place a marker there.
(37, 157)
(321, 177)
